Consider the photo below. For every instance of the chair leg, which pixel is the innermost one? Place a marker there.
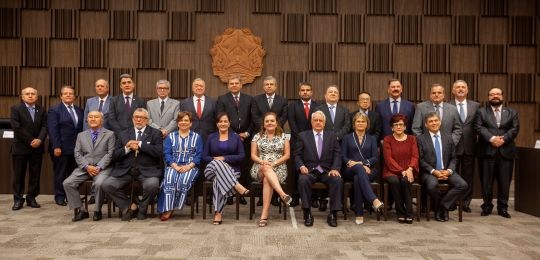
(204, 202)
(345, 208)
(385, 199)
(193, 198)
(419, 203)
(460, 210)
(428, 207)
(251, 205)
(237, 206)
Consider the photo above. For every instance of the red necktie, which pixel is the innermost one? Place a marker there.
(199, 109)
(306, 109)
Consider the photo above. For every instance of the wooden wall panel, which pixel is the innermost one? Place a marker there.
(521, 88)
(377, 29)
(408, 7)
(210, 6)
(38, 78)
(153, 5)
(93, 53)
(94, 5)
(294, 28)
(380, 7)
(491, 32)
(9, 81)
(380, 58)
(10, 23)
(519, 59)
(266, 6)
(522, 30)
(377, 84)
(431, 78)
(407, 58)
(64, 24)
(36, 4)
(466, 7)
(437, 29)
(488, 81)
(493, 58)
(351, 28)
(408, 29)
(146, 82)
(352, 6)
(288, 83)
(122, 25)
(325, 23)
(96, 25)
(465, 30)
(465, 59)
(494, 7)
(181, 26)
(114, 79)
(412, 84)
(322, 56)
(352, 83)
(36, 23)
(64, 76)
(323, 7)
(437, 7)
(87, 80)
(152, 26)
(181, 80)
(151, 54)
(436, 58)
(123, 54)
(351, 57)
(35, 52)
(11, 52)
(64, 53)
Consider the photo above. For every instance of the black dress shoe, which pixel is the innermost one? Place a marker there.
(467, 209)
(80, 215)
(32, 203)
(141, 215)
(308, 219)
(230, 201)
(126, 214)
(440, 216)
(17, 205)
(485, 213)
(323, 205)
(315, 203)
(331, 220)
(243, 201)
(91, 200)
(97, 216)
(61, 203)
(504, 214)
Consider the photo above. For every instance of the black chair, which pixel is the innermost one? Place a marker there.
(444, 187)
(323, 186)
(207, 185)
(416, 192)
(348, 186)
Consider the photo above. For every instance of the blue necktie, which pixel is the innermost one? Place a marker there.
(438, 152)
(461, 112)
(32, 111)
(100, 105)
(94, 136)
(332, 113)
(394, 107)
(72, 113)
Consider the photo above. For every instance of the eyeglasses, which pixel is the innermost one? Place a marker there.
(140, 117)
(398, 125)
(160, 88)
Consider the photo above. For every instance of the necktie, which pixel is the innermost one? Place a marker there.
(461, 112)
(32, 111)
(332, 113)
(498, 116)
(94, 136)
(139, 134)
(319, 150)
(438, 152)
(394, 107)
(199, 109)
(100, 105)
(236, 100)
(306, 109)
(438, 111)
(128, 105)
(162, 106)
(270, 99)
(72, 113)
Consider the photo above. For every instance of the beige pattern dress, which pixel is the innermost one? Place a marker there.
(270, 150)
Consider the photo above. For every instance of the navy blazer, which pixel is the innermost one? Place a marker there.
(374, 123)
(297, 118)
(342, 121)
(305, 153)
(148, 159)
(62, 131)
(117, 117)
(486, 126)
(406, 108)
(207, 123)
(240, 117)
(25, 130)
(349, 150)
(426, 153)
(234, 153)
(260, 107)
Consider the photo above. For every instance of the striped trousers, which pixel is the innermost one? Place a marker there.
(225, 178)
(174, 189)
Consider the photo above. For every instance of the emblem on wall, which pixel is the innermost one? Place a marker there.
(237, 52)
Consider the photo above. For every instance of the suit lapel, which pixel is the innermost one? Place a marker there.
(313, 145)
(504, 115)
(208, 106)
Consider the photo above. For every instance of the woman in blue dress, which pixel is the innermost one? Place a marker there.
(182, 150)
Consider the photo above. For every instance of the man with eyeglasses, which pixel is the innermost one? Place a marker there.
(122, 106)
(163, 110)
(364, 105)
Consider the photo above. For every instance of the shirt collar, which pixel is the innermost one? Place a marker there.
(464, 102)
(432, 134)
(392, 99)
(202, 98)
(315, 133)
(130, 96)
(165, 99)
(137, 130)
(104, 99)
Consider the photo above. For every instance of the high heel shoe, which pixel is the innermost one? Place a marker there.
(166, 216)
(217, 222)
(379, 208)
(243, 193)
(287, 200)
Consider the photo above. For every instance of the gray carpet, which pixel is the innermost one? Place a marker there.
(48, 233)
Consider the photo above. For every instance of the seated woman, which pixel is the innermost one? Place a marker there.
(182, 150)
(270, 151)
(359, 153)
(400, 166)
(224, 153)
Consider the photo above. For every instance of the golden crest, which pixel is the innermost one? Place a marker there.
(237, 52)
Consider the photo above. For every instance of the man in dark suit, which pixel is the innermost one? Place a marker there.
(238, 107)
(392, 105)
(101, 102)
(137, 155)
(364, 103)
(163, 110)
(466, 148)
(450, 122)
(269, 101)
(123, 106)
(64, 122)
(497, 127)
(202, 107)
(337, 116)
(93, 153)
(317, 158)
(438, 161)
(28, 121)
(299, 118)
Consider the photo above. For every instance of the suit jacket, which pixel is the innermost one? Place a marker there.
(234, 153)
(119, 119)
(426, 152)
(165, 120)
(62, 131)
(92, 104)
(297, 118)
(98, 154)
(450, 122)
(406, 108)
(469, 137)
(374, 123)
(148, 159)
(207, 123)
(305, 153)
(240, 117)
(25, 130)
(342, 122)
(486, 126)
(260, 107)
(350, 150)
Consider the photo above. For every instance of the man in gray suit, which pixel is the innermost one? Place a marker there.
(465, 150)
(100, 102)
(122, 106)
(202, 107)
(438, 164)
(93, 153)
(450, 123)
(163, 109)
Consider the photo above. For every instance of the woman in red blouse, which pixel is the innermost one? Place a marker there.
(400, 166)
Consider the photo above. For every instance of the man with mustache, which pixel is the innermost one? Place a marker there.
(497, 127)
(392, 105)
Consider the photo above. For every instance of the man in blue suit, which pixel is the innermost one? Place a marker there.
(100, 102)
(392, 105)
(64, 122)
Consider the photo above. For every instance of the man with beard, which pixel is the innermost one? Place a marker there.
(497, 127)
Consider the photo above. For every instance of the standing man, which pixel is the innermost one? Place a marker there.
(269, 101)
(137, 156)
(497, 127)
(299, 118)
(438, 162)
(364, 103)
(202, 107)
(465, 150)
(100, 102)
(29, 124)
(163, 110)
(93, 153)
(337, 116)
(317, 158)
(122, 106)
(450, 122)
(392, 105)
(64, 122)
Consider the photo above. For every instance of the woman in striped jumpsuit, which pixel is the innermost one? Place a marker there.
(182, 150)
